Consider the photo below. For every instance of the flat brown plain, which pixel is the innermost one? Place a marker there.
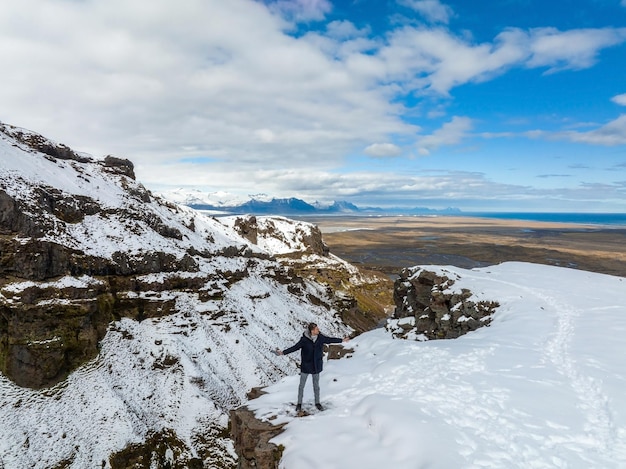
(388, 244)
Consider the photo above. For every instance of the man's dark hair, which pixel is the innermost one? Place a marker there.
(311, 326)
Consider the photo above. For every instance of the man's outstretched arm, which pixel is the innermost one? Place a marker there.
(289, 350)
(333, 340)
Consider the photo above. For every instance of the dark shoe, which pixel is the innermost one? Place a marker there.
(319, 406)
(298, 407)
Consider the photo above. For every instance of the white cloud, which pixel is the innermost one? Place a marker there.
(383, 149)
(620, 98)
(145, 78)
(345, 30)
(148, 81)
(223, 82)
(610, 134)
(437, 60)
(575, 49)
(265, 135)
(450, 133)
(433, 10)
(302, 10)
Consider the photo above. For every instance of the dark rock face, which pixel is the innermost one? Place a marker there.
(52, 332)
(9, 214)
(316, 243)
(46, 329)
(120, 166)
(251, 437)
(336, 351)
(248, 228)
(35, 260)
(161, 450)
(428, 308)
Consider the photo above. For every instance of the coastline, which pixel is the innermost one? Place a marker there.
(594, 219)
(608, 220)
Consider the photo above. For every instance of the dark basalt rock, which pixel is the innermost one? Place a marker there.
(427, 307)
(120, 166)
(37, 259)
(41, 342)
(251, 437)
(160, 450)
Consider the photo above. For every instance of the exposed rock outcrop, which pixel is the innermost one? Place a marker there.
(160, 450)
(41, 144)
(427, 307)
(362, 298)
(120, 166)
(251, 437)
(46, 332)
(306, 239)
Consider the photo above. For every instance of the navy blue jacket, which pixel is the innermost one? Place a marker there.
(312, 352)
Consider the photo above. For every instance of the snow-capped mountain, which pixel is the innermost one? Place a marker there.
(130, 325)
(218, 199)
(263, 204)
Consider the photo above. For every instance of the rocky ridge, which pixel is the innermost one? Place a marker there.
(129, 325)
(428, 307)
(363, 298)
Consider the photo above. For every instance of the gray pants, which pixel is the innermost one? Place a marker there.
(316, 386)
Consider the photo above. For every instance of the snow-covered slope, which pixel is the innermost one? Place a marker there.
(541, 387)
(24, 172)
(195, 310)
(180, 372)
(277, 235)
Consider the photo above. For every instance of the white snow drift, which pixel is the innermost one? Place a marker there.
(541, 387)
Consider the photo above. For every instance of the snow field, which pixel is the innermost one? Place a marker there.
(541, 387)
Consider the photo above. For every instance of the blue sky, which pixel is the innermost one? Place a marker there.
(495, 105)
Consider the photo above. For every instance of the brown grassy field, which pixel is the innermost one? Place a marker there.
(387, 244)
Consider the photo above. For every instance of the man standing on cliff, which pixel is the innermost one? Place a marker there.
(311, 346)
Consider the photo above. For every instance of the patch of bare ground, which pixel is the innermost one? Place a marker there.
(364, 303)
(387, 244)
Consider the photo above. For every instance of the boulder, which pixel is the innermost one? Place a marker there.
(120, 166)
(428, 308)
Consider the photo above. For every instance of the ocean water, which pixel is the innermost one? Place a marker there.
(602, 219)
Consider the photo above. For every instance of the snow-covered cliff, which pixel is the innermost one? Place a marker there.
(130, 325)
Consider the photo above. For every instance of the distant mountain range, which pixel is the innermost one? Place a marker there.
(261, 204)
